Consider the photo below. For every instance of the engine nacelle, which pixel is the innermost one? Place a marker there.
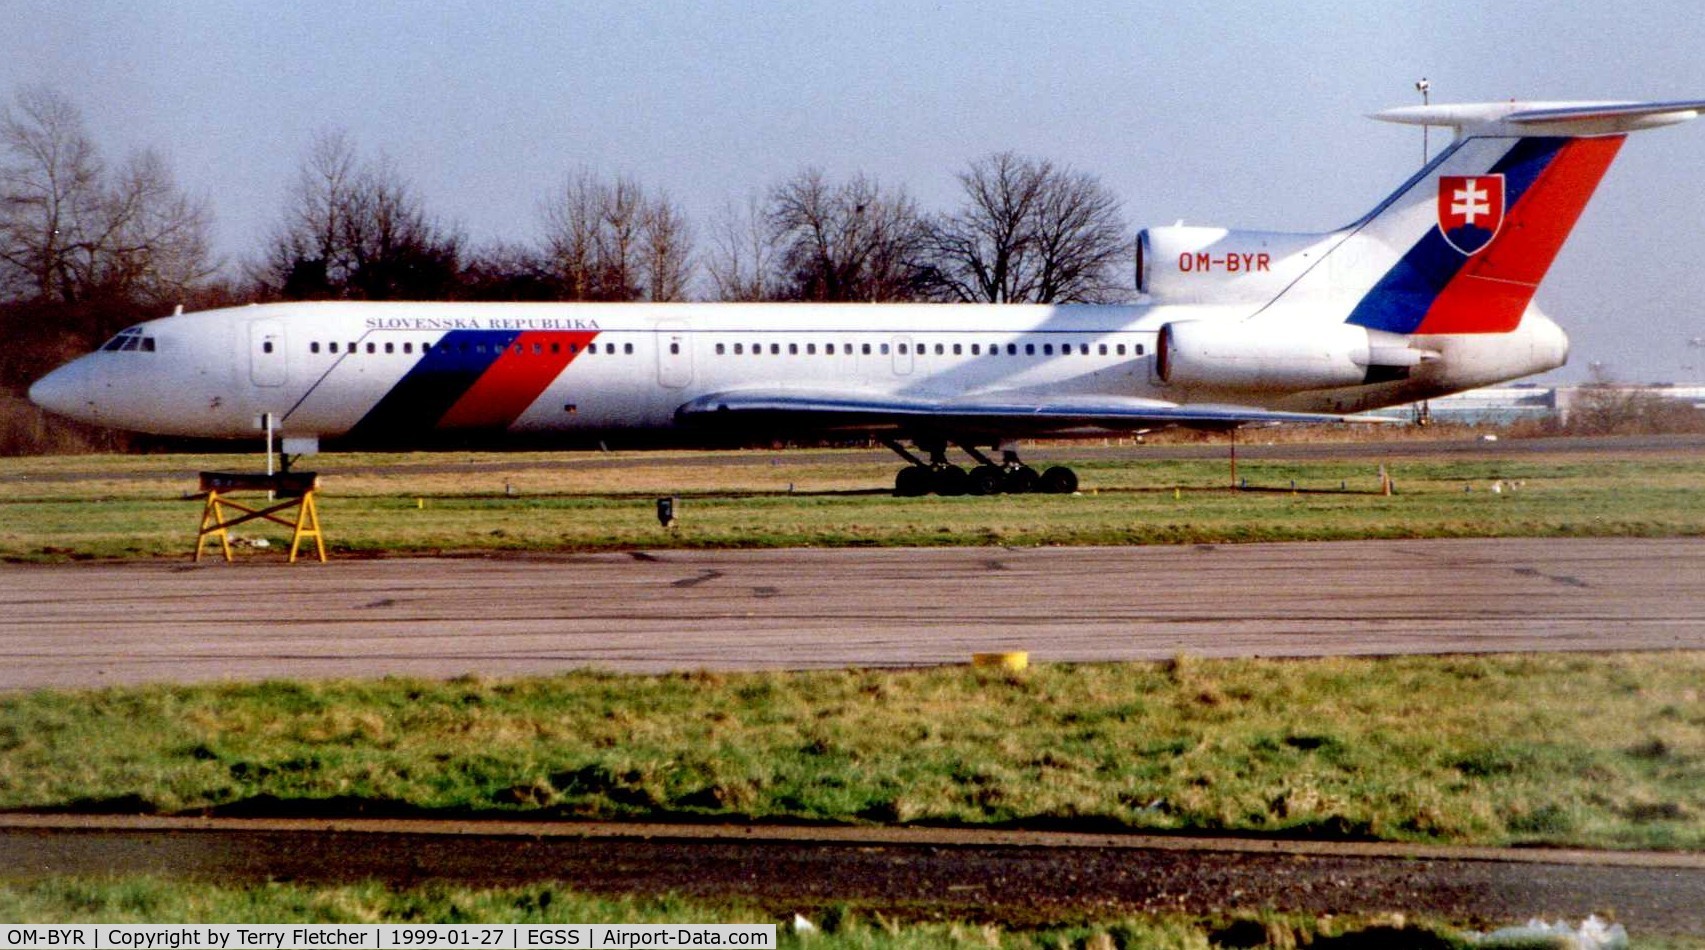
(1189, 264)
(1274, 357)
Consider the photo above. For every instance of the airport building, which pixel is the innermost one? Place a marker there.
(1502, 405)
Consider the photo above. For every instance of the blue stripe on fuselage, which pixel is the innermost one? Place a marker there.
(428, 390)
(1401, 299)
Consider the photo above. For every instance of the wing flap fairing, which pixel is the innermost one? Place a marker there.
(998, 413)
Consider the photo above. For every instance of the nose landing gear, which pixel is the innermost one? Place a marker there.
(1009, 476)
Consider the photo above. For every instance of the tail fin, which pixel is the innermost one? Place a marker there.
(1462, 246)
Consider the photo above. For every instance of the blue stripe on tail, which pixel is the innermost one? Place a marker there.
(1401, 299)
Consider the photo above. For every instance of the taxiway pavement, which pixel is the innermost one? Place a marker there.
(74, 625)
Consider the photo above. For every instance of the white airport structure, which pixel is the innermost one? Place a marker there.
(1502, 405)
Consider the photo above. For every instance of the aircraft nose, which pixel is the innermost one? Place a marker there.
(62, 391)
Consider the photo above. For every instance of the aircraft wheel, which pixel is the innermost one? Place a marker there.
(950, 480)
(1059, 480)
(986, 480)
(1020, 480)
(912, 482)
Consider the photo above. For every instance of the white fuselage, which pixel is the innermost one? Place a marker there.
(401, 372)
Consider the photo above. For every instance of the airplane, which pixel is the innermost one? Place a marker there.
(1429, 293)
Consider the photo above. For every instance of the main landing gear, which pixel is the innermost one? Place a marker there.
(1010, 476)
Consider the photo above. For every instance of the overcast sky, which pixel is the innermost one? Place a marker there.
(1240, 114)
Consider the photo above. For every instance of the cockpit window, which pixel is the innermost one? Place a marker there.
(127, 340)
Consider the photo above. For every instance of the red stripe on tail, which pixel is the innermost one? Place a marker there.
(1492, 291)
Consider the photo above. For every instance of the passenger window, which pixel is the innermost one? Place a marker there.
(627, 348)
(902, 349)
(884, 349)
(719, 349)
(390, 347)
(1139, 349)
(1029, 349)
(867, 349)
(738, 350)
(1012, 349)
(829, 349)
(939, 349)
(351, 346)
(775, 349)
(1048, 349)
(313, 347)
(957, 349)
(1103, 349)
(538, 348)
(573, 349)
(793, 349)
(674, 349)
(976, 349)
(408, 347)
(332, 346)
(810, 349)
(1121, 349)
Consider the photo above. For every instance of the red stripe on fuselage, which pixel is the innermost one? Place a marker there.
(1490, 294)
(514, 380)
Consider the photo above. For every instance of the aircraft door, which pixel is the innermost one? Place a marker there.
(266, 353)
(674, 354)
(903, 355)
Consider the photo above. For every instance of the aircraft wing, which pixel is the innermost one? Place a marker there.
(1000, 414)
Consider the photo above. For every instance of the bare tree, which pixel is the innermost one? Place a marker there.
(357, 230)
(622, 214)
(612, 241)
(668, 246)
(305, 258)
(99, 246)
(154, 246)
(743, 254)
(399, 252)
(850, 242)
(572, 219)
(1028, 232)
(508, 271)
(50, 195)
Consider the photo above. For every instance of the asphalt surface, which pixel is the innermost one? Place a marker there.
(1013, 878)
(95, 624)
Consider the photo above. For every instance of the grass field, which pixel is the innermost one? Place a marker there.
(1598, 751)
(1603, 751)
(137, 506)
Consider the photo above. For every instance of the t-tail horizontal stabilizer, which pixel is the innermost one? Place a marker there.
(1547, 118)
(1462, 247)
